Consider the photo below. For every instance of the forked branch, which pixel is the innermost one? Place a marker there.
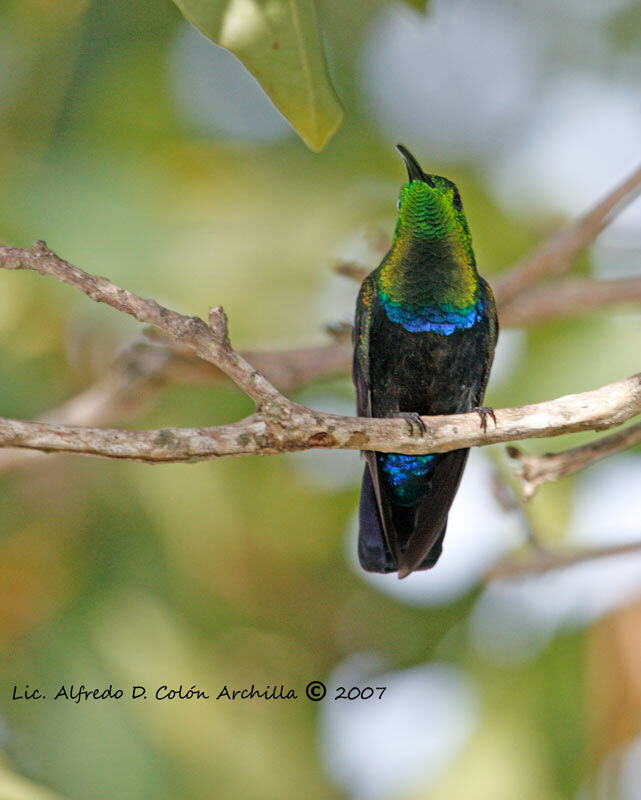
(280, 425)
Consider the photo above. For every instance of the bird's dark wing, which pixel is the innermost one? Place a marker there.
(374, 553)
(367, 306)
(431, 515)
(493, 335)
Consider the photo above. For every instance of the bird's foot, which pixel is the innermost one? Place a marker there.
(484, 412)
(413, 420)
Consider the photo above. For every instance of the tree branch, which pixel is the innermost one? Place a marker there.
(210, 342)
(148, 364)
(545, 560)
(556, 254)
(566, 297)
(290, 427)
(144, 367)
(287, 369)
(281, 425)
(537, 470)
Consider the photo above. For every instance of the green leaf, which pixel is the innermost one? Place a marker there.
(280, 44)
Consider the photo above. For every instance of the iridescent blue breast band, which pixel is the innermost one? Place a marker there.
(440, 319)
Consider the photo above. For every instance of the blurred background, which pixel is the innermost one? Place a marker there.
(140, 151)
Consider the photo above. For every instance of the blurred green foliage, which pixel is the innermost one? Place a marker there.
(231, 572)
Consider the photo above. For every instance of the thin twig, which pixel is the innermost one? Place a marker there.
(287, 369)
(556, 254)
(568, 297)
(546, 560)
(537, 470)
(351, 269)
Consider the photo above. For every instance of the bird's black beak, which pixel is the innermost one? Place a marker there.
(414, 171)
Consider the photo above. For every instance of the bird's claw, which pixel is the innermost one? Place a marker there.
(484, 412)
(413, 420)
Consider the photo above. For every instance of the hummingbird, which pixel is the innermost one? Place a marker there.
(424, 339)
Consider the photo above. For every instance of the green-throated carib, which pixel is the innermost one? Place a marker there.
(424, 339)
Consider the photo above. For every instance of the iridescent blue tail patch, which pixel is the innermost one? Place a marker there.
(405, 476)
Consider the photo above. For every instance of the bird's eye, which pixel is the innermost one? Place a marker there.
(456, 200)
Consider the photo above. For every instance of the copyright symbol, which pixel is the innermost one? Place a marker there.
(315, 690)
